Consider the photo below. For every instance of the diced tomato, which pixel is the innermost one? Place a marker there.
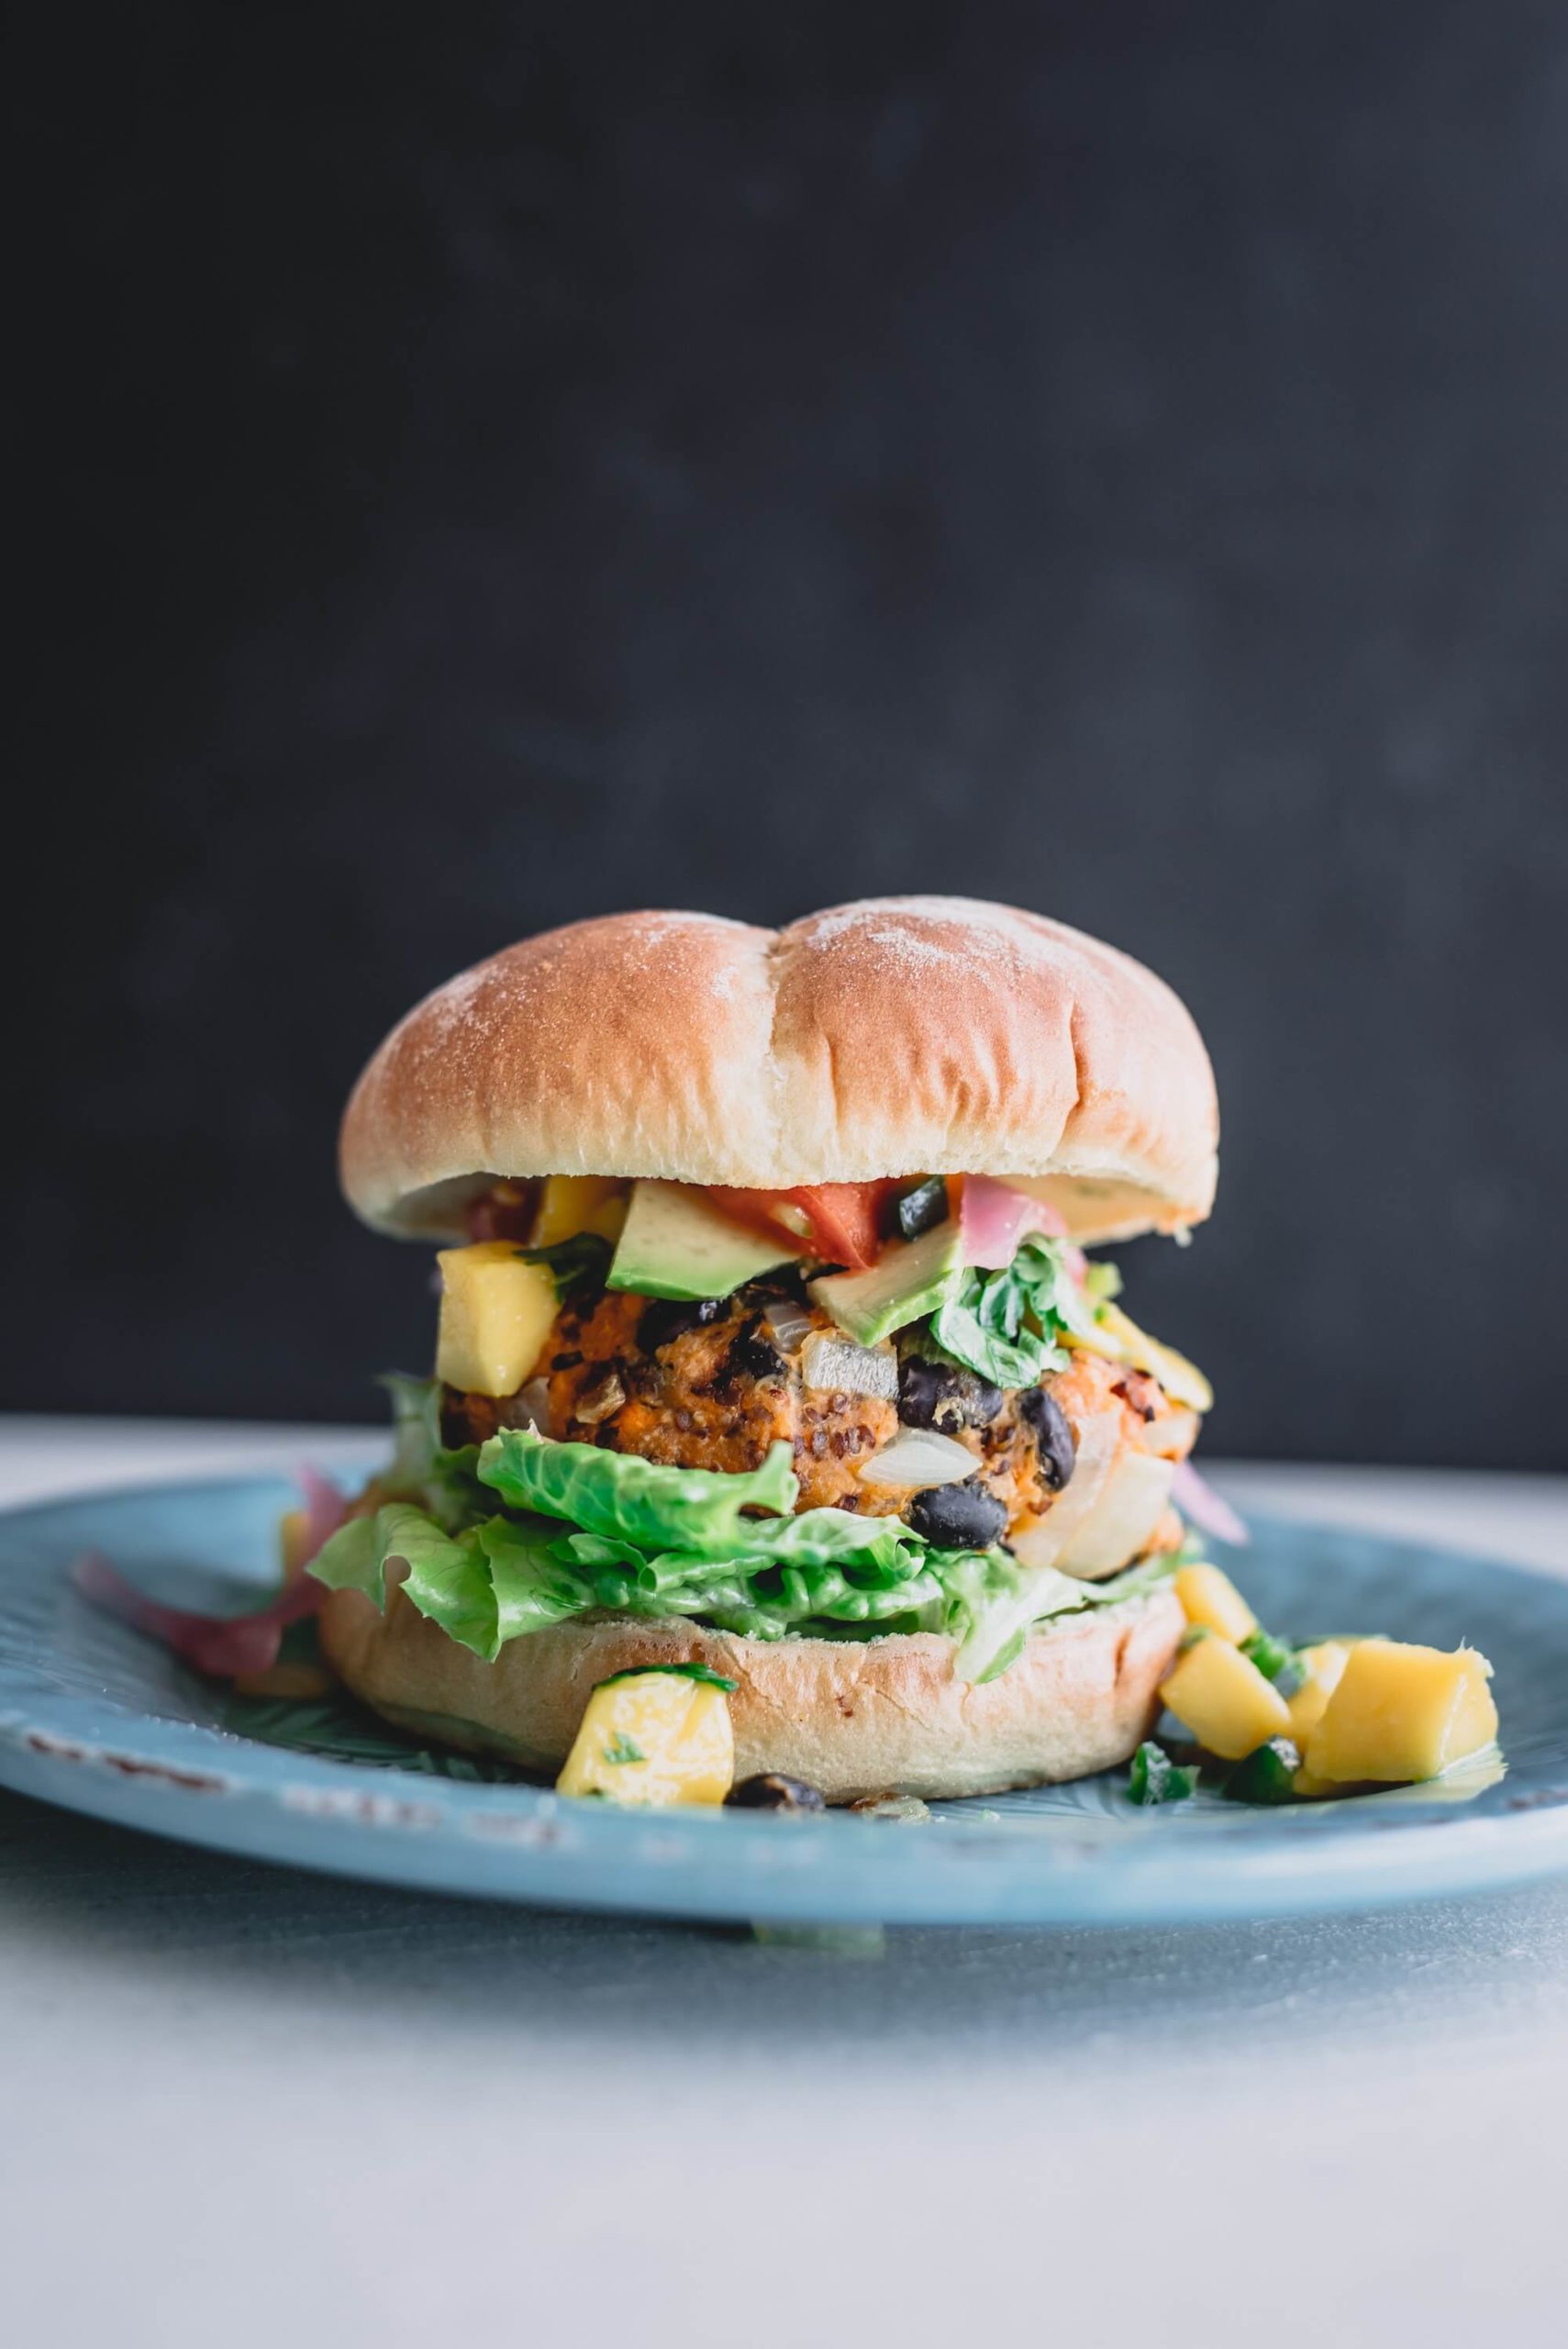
(842, 1219)
(847, 1218)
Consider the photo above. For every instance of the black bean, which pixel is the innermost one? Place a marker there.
(941, 1395)
(958, 1516)
(772, 1791)
(668, 1319)
(1058, 1453)
(923, 1208)
(752, 1355)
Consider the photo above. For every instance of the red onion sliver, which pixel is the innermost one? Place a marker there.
(221, 1646)
(994, 1217)
(325, 1508)
(1199, 1501)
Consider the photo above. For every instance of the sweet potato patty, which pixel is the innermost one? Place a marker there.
(709, 1386)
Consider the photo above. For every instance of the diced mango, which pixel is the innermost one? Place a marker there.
(656, 1737)
(293, 1536)
(569, 1204)
(497, 1312)
(1224, 1698)
(1210, 1598)
(1119, 1337)
(1322, 1667)
(1401, 1713)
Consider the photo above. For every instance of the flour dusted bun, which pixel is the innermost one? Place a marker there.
(852, 1717)
(896, 1036)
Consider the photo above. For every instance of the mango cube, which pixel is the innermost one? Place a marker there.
(573, 1203)
(1224, 1699)
(1323, 1666)
(497, 1312)
(293, 1537)
(653, 1738)
(1211, 1599)
(1401, 1713)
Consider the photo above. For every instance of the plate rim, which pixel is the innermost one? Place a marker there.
(524, 1843)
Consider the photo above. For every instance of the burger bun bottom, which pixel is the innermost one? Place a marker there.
(854, 1717)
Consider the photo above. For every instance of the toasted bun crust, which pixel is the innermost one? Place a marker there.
(852, 1717)
(899, 1035)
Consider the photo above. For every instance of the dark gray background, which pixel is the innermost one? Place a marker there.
(494, 465)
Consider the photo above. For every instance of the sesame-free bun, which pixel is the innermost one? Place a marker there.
(852, 1717)
(896, 1036)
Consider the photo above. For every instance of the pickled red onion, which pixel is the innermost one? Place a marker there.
(221, 1646)
(1199, 1501)
(224, 1646)
(994, 1217)
(325, 1508)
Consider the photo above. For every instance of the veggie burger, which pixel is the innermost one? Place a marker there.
(772, 1386)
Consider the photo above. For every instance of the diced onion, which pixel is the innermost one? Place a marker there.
(1043, 1544)
(789, 1324)
(1118, 1529)
(532, 1405)
(606, 1396)
(918, 1458)
(829, 1360)
(1172, 1435)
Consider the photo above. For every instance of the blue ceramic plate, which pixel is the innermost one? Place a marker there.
(98, 1718)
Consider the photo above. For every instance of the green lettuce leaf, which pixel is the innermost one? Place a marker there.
(491, 1583)
(415, 1429)
(448, 1580)
(696, 1511)
(600, 1532)
(996, 1629)
(1005, 1325)
(531, 1586)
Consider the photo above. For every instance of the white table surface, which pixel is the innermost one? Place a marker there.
(242, 2105)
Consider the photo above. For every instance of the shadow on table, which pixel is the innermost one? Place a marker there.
(1424, 1970)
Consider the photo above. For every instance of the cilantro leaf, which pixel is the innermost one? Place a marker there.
(702, 1673)
(572, 1263)
(1005, 1325)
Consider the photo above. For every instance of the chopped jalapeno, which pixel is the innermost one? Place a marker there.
(1154, 1777)
(1267, 1775)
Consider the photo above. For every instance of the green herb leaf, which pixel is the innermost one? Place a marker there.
(1005, 1325)
(1154, 1777)
(702, 1673)
(572, 1264)
(624, 1749)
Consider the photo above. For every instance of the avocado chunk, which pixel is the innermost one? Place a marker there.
(908, 1280)
(674, 1244)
